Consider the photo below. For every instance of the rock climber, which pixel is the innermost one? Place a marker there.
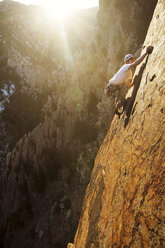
(124, 76)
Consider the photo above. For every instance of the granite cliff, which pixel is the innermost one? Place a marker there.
(49, 168)
(124, 201)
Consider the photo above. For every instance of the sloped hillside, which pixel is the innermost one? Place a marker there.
(33, 42)
(34, 63)
(124, 202)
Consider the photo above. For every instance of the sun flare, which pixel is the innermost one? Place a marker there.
(61, 8)
(58, 9)
(64, 8)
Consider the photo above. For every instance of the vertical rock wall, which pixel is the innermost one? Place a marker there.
(124, 202)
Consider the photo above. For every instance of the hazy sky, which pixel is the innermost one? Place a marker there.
(62, 8)
(76, 4)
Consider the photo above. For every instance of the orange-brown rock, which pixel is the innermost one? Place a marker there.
(124, 202)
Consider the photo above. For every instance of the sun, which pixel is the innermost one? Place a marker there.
(59, 9)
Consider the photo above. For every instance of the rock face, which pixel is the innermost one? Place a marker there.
(124, 202)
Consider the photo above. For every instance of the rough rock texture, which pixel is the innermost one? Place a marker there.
(39, 194)
(124, 202)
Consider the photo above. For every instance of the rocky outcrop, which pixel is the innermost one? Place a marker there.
(40, 205)
(124, 202)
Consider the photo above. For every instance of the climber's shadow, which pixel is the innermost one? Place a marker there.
(130, 100)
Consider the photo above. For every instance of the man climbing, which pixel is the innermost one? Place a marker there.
(124, 75)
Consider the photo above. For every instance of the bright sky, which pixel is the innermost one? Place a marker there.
(76, 3)
(62, 8)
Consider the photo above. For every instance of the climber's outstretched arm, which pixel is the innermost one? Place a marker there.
(140, 59)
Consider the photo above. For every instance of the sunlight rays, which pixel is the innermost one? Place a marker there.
(65, 42)
(62, 17)
(58, 9)
(63, 8)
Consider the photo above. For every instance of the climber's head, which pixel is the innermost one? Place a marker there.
(129, 58)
